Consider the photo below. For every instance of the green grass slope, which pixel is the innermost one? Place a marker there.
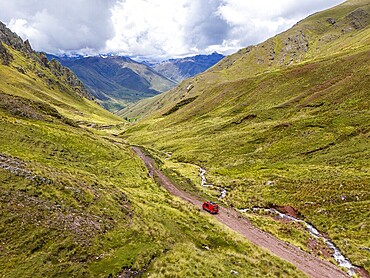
(77, 202)
(275, 134)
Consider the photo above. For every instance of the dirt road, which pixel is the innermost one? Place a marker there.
(311, 265)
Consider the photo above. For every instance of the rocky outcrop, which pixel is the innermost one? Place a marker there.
(68, 76)
(10, 38)
(62, 75)
(5, 56)
(358, 19)
(294, 48)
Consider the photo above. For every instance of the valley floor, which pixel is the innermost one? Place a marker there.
(311, 265)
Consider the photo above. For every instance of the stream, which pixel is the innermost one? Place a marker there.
(204, 183)
(337, 255)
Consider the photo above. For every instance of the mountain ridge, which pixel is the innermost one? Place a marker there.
(119, 81)
(116, 80)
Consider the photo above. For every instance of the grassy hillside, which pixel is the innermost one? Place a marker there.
(290, 128)
(76, 202)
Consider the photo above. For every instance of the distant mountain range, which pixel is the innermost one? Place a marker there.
(116, 81)
(183, 68)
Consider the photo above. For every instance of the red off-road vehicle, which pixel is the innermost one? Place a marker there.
(210, 207)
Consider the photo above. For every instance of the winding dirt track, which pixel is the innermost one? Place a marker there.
(311, 265)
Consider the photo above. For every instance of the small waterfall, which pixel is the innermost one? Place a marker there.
(202, 173)
(223, 193)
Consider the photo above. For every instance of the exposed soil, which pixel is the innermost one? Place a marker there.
(309, 264)
(319, 248)
(288, 210)
(363, 273)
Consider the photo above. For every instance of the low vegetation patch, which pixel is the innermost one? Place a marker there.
(179, 105)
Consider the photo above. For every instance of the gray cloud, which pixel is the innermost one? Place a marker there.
(206, 27)
(66, 25)
(152, 28)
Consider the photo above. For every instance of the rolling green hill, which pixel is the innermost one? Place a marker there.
(76, 202)
(283, 123)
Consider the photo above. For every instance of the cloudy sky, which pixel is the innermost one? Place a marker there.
(152, 29)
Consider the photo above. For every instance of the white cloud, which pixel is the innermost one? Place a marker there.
(148, 27)
(152, 28)
(21, 26)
